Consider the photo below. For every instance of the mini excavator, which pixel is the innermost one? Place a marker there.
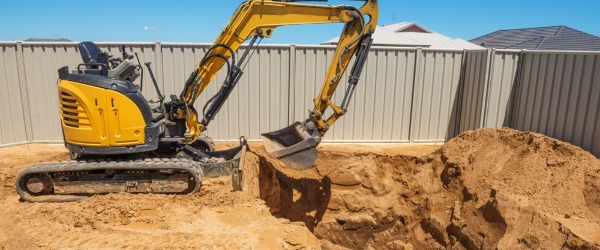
(120, 142)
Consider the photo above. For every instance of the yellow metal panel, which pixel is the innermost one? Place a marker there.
(125, 121)
(93, 116)
(88, 109)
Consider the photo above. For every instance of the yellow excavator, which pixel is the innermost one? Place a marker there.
(120, 142)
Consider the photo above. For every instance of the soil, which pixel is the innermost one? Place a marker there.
(485, 189)
(215, 217)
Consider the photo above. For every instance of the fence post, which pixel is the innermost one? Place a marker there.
(291, 84)
(460, 96)
(24, 93)
(517, 89)
(416, 91)
(488, 84)
(159, 65)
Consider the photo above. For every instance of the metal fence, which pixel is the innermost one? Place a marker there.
(559, 95)
(404, 94)
(556, 93)
(12, 105)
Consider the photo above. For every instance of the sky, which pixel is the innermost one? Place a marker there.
(200, 21)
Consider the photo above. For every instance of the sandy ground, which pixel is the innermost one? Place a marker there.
(486, 189)
(215, 217)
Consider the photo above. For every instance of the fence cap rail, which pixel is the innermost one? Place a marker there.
(98, 43)
(8, 43)
(571, 52)
(310, 46)
(526, 51)
(302, 46)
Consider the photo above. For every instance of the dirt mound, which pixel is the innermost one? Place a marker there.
(484, 189)
(539, 187)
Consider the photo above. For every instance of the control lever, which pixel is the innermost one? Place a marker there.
(139, 66)
(160, 96)
(125, 55)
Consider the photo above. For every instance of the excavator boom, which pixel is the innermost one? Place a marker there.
(294, 145)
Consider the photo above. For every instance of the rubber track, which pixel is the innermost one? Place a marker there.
(139, 164)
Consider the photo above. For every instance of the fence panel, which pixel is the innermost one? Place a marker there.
(435, 112)
(503, 82)
(558, 97)
(265, 86)
(41, 62)
(259, 103)
(12, 124)
(380, 108)
(308, 73)
(397, 94)
(473, 91)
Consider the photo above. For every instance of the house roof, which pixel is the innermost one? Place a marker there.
(542, 38)
(411, 34)
(399, 27)
(47, 40)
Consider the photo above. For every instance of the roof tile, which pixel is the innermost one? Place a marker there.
(542, 38)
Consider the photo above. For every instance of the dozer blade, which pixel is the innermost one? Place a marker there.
(293, 145)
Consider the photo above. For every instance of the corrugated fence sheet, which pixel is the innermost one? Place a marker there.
(502, 83)
(259, 103)
(388, 75)
(41, 63)
(435, 102)
(12, 123)
(559, 96)
(473, 90)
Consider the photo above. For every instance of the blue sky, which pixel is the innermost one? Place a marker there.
(202, 20)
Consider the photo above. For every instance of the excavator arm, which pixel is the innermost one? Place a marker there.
(258, 19)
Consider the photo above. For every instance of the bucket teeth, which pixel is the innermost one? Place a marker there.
(293, 146)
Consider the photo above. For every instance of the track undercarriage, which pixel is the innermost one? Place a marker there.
(78, 179)
(75, 180)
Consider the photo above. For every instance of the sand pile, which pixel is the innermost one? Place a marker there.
(485, 189)
(490, 188)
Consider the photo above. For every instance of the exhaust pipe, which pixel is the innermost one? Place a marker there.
(294, 145)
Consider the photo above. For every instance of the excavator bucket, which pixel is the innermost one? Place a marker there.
(293, 145)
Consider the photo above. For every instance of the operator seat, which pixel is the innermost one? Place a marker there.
(119, 68)
(92, 57)
(89, 51)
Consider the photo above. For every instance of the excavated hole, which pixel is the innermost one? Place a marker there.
(352, 200)
(295, 199)
(361, 200)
